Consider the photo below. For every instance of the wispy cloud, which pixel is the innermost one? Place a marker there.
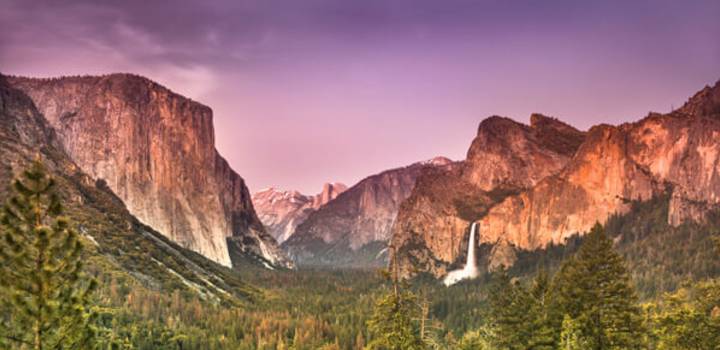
(295, 83)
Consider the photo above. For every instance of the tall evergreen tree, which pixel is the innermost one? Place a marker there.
(393, 324)
(593, 289)
(510, 305)
(45, 293)
(542, 331)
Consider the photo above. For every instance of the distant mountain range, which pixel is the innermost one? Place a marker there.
(282, 211)
(353, 229)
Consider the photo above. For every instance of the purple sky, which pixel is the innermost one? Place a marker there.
(306, 92)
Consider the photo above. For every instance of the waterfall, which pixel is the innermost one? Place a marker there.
(470, 270)
(471, 263)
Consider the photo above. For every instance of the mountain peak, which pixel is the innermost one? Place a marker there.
(705, 102)
(555, 134)
(497, 124)
(281, 211)
(439, 161)
(329, 192)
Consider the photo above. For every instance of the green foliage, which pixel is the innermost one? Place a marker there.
(519, 317)
(393, 325)
(45, 294)
(590, 304)
(593, 288)
(480, 339)
(542, 336)
(659, 257)
(662, 257)
(509, 304)
(689, 318)
(571, 336)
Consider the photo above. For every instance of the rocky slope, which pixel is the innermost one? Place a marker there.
(676, 152)
(117, 245)
(282, 211)
(504, 158)
(155, 150)
(594, 176)
(354, 228)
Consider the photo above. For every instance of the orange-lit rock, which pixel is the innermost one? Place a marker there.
(156, 150)
(505, 157)
(554, 194)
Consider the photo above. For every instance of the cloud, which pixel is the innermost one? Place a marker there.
(196, 81)
(88, 38)
(390, 71)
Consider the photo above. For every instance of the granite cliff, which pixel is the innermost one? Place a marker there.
(117, 244)
(529, 186)
(156, 150)
(505, 157)
(675, 152)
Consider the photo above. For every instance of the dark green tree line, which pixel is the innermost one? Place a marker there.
(589, 304)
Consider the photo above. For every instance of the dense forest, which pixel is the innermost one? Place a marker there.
(634, 283)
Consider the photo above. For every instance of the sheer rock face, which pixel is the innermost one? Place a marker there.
(155, 150)
(117, 241)
(282, 211)
(509, 154)
(677, 152)
(358, 222)
(598, 182)
(505, 157)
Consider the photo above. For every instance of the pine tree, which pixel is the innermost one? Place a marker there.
(392, 325)
(571, 337)
(509, 304)
(542, 335)
(46, 295)
(593, 288)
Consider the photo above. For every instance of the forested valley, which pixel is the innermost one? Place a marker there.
(583, 295)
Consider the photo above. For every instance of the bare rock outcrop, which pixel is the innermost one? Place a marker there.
(527, 190)
(505, 158)
(675, 152)
(156, 150)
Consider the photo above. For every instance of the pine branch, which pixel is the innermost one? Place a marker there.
(15, 339)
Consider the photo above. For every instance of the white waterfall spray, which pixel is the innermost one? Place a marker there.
(470, 270)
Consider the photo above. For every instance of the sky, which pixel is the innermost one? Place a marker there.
(307, 92)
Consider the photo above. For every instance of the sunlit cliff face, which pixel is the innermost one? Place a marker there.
(155, 150)
(676, 152)
(505, 157)
(608, 167)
